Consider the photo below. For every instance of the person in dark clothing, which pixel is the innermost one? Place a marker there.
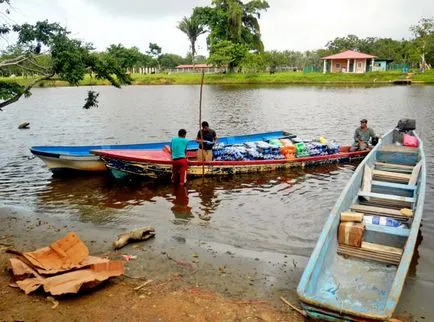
(206, 138)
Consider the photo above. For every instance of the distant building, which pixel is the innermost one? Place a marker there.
(381, 65)
(348, 62)
(195, 68)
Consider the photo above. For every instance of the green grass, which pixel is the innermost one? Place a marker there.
(250, 78)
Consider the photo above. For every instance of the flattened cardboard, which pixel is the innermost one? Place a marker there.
(63, 267)
(71, 282)
(63, 254)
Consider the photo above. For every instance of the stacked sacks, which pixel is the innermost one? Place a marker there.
(275, 149)
(301, 150)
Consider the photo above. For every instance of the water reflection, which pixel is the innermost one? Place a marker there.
(101, 198)
(180, 208)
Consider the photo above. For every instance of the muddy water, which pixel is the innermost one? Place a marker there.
(263, 226)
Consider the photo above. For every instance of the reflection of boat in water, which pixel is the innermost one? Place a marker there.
(102, 192)
(61, 158)
(357, 270)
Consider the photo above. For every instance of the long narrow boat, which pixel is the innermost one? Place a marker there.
(61, 158)
(158, 164)
(358, 275)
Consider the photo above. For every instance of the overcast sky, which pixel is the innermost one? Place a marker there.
(287, 24)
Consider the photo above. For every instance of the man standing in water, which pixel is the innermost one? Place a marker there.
(206, 138)
(362, 136)
(178, 147)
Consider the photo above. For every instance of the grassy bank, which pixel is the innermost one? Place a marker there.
(256, 78)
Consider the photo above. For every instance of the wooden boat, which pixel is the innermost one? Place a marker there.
(350, 283)
(158, 164)
(61, 158)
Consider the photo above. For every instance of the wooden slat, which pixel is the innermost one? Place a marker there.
(380, 211)
(367, 177)
(390, 169)
(375, 210)
(398, 148)
(381, 248)
(391, 176)
(387, 197)
(379, 203)
(355, 250)
(393, 185)
(363, 254)
(394, 165)
(415, 173)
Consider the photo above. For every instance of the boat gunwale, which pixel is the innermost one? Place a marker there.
(80, 150)
(112, 155)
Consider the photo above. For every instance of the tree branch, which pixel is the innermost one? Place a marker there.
(43, 71)
(26, 89)
(14, 61)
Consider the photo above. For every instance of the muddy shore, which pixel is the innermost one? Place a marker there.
(191, 280)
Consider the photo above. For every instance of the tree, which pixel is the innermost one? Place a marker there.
(127, 58)
(154, 51)
(64, 58)
(226, 53)
(424, 33)
(172, 60)
(193, 29)
(234, 29)
(234, 21)
(350, 42)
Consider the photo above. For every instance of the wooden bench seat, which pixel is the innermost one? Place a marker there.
(386, 199)
(391, 167)
(371, 251)
(391, 176)
(380, 211)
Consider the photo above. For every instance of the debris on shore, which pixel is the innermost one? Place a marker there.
(139, 234)
(63, 267)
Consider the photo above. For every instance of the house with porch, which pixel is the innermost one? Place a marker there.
(348, 61)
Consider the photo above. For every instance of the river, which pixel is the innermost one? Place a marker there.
(272, 220)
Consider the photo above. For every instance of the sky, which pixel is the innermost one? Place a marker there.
(286, 25)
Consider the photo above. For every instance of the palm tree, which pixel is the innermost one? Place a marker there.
(193, 29)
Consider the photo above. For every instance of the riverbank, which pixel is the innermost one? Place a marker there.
(300, 78)
(202, 287)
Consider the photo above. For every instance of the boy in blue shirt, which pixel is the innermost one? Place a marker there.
(178, 147)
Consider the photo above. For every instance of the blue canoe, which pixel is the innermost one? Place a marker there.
(348, 281)
(61, 158)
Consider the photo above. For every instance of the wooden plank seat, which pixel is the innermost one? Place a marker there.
(399, 189)
(392, 167)
(391, 153)
(386, 199)
(371, 251)
(381, 211)
(391, 176)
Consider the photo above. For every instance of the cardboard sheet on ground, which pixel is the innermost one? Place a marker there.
(63, 267)
(72, 282)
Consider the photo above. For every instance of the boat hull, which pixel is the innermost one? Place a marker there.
(62, 163)
(80, 158)
(341, 288)
(163, 170)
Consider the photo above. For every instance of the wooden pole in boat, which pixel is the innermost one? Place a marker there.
(200, 123)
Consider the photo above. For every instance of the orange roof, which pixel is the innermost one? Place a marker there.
(349, 54)
(194, 66)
